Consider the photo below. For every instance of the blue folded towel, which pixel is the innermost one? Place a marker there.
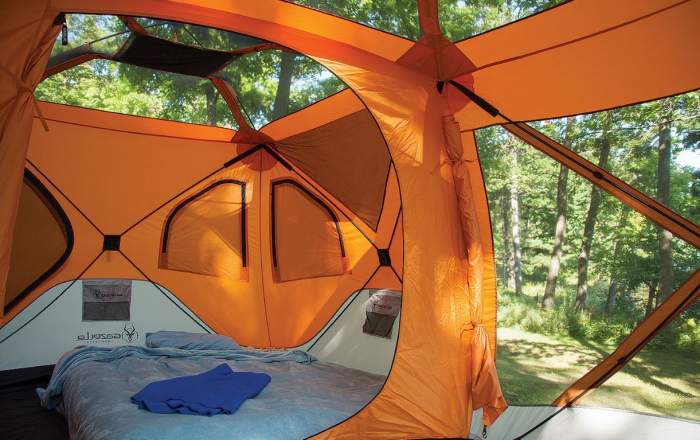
(216, 391)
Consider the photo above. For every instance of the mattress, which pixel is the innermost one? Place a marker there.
(301, 400)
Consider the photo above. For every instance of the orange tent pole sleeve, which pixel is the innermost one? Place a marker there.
(485, 387)
(640, 202)
(676, 303)
(28, 32)
(483, 218)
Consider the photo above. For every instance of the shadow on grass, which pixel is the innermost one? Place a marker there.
(535, 370)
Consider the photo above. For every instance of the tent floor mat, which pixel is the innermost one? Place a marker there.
(21, 415)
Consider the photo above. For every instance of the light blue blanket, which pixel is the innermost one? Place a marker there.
(92, 388)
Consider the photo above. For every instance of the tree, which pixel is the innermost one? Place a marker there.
(663, 184)
(615, 270)
(507, 237)
(560, 227)
(515, 220)
(281, 106)
(591, 217)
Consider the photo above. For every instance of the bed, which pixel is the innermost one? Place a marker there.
(92, 387)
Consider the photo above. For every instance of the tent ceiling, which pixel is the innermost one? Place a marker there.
(269, 80)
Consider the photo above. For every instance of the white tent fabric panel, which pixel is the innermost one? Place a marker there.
(343, 342)
(42, 332)
(584, 423)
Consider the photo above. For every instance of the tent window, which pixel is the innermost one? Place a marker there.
(43, 239)
(461, 19)
(104, 33)
(663, 378)
(601, 274)
(197, 36)
(306, 237)
(398, 17)
(206, 233)
(157, 53)
(648, 142)
(349, 158)
(132, 90)
(272, 84)
(269, 82)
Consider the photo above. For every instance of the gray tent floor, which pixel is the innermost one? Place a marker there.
(21, 416)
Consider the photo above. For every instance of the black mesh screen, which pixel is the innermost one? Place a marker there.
(156, 53)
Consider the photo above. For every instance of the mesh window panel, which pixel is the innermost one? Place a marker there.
(349, 158)
(157, 53)
(205, 234)
(39, 241)
(199, 36)
(123, 88)
(663, 378)
(648, 142)
(461, 19)
(306, 241)
(576, 268)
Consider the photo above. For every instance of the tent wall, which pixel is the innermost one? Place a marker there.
(113, 171)
(29, 32)
(53, 324)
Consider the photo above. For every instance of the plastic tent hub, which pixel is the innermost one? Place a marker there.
(111, 243)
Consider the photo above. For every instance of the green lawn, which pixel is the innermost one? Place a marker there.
(535, 369)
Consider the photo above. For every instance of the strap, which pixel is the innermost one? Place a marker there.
(23, 87)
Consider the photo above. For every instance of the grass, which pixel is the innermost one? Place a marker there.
(535, 369)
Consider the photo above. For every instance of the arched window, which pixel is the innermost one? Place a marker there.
(42, 240)
(206, 233)
(306, 237)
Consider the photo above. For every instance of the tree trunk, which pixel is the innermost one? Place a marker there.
(515, 221)
(651, 298)
(281, 106)
(663, 184)
(212, 98)
(614, 270)
(612, 297)
(591, 218)
(509, 263)
(559, 229)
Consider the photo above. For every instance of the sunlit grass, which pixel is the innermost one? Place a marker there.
(535, 369)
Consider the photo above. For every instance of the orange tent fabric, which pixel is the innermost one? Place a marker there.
(431, 214)
(29, 32)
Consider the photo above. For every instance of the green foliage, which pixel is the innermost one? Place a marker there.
(459, 18)
(463, 18)
(123, 88)
(524, 313)
(399, 17)
(625, 245)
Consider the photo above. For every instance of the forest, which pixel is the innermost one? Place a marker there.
(577, 270)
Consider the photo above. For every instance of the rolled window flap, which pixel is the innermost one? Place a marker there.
(486, 388)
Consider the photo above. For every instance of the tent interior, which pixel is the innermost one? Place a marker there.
(351, 203)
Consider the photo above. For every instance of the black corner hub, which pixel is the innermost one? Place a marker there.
(384, 257)
(111, 243)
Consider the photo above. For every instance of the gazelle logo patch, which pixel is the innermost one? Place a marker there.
(126, 336)
(130, 334)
